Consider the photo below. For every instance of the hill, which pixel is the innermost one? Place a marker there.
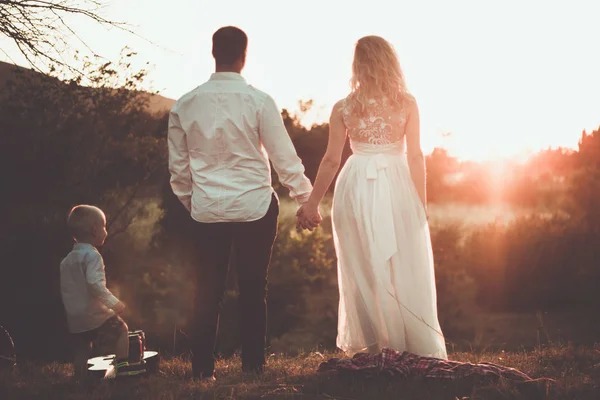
(8, 72)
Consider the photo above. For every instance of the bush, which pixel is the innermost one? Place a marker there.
(63, 144)
(537, 262)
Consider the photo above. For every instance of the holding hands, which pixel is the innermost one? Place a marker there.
(308, 216)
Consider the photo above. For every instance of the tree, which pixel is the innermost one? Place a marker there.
(440, 166)
(80, 143)
(40, 28)
(589, 149)
(63, 144)
(585, 182)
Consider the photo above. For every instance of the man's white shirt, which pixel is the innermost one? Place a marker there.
(221, 137)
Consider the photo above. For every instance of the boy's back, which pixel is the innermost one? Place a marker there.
(83, 290)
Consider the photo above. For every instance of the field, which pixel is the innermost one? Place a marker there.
(559, 350)
(559, 372)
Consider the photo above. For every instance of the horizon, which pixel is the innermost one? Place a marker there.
(493, 81)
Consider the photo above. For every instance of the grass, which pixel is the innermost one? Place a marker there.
(560, 372)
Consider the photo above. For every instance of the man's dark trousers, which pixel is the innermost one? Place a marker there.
(251, 244)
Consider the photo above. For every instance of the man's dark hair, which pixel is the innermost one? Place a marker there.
(229, 43)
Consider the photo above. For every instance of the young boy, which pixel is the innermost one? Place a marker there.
(92, 310)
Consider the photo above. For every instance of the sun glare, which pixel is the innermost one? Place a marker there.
(504, 77)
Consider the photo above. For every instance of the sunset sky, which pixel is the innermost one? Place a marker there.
(503, 77)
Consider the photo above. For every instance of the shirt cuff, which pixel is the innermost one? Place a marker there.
(111, 301)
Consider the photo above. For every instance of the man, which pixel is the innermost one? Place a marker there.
(221, 137)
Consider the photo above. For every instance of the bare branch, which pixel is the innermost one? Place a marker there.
(8, 56)
(73, 32)
(39, 29)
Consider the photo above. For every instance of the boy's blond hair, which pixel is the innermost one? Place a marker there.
(82, 218)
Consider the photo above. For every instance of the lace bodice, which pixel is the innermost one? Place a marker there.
(379, 125)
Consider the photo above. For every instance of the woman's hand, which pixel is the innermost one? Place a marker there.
(308, 217)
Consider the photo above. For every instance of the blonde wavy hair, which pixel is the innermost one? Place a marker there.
(376, 73)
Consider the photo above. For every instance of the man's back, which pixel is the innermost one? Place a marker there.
(221, 135)
(221, 138)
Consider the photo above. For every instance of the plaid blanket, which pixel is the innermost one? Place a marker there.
(408, 365)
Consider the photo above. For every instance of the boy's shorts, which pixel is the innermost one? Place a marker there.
(106, 335)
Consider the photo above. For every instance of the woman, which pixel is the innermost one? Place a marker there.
(381, 235)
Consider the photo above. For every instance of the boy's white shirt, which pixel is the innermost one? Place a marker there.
(88, 302)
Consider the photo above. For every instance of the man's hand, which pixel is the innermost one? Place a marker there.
(308, 217)
(119, 308)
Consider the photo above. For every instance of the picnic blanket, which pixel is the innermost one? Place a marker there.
(408, 365)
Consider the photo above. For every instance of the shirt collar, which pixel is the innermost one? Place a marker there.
(83, 246)
(227, 76)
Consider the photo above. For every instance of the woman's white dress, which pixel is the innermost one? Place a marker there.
(381, 235)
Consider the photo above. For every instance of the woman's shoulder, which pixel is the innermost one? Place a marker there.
(340, 106)
(410, 98)
(410, 105)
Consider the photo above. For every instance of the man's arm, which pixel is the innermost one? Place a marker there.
(282, 153)
(96, 280)
(179, 162)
